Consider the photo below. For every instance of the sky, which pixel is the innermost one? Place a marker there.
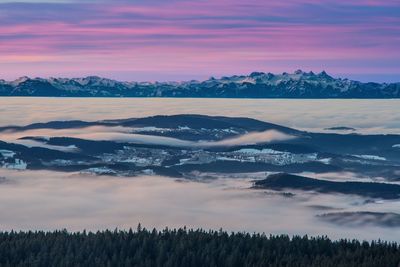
(149, 40)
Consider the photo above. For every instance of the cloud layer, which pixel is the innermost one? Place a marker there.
(309, 115)
(44, 200)
(159, 40)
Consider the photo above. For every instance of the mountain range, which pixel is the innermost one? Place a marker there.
(299, 84)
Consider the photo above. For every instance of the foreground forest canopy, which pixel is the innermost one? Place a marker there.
(184, 247)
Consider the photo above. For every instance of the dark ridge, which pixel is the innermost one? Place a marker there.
(53, 125)
(90, 147)
(115, 169)
(341, 128)
(283, 147)
(97, 146)
(196, 121)
(363, 218)
(243, 167)
(193, 121)
(282, 181)
(35, 154)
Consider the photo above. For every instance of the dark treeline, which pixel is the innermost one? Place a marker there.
(188, 248)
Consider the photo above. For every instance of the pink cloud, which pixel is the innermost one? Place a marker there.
(190, 37)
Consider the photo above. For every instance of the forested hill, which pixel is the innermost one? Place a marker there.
(299, 84)
(188, 248)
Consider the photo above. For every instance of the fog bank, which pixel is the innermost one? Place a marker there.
(366, 115)
(46, 200)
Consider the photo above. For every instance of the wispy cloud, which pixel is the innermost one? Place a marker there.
(198, 38)
(250, 139)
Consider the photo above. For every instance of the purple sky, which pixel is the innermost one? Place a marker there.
(181, 40)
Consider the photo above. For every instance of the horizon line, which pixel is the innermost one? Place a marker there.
(351, 77)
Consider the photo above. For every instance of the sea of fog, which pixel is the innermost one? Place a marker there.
(372, 116)
(45, 200)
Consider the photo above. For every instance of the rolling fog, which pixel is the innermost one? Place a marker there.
(369, 116)
(121, 134)
(51, 200)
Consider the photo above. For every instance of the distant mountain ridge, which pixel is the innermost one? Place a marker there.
(299, 84)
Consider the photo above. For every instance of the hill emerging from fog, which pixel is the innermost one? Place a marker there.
(180, 145)
(299, 84)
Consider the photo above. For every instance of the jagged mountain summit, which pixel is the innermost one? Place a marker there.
(299, 84)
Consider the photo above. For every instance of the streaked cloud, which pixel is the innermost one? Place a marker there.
(180, 39)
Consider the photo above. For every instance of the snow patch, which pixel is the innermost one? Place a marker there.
(17, 165)
(183, 128)
(7, 153)
(150, 129)
(100, 170)
(229, 159)
(271, 156)
(258, 151)
(230, 131)
(148, 172)
(325, 161)
(183, 161)
(138, 161)
(370, 157)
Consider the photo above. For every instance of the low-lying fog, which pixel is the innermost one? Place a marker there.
(47, 200)
(51, 200)
(121, 134)
(369, 116)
